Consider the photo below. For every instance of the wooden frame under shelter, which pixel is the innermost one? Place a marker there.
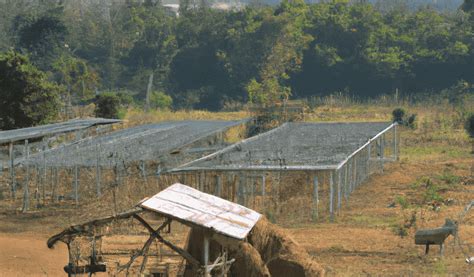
(219, 220)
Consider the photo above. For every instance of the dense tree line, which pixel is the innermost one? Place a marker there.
(209, 58)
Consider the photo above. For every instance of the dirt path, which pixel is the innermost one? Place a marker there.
(27, 255)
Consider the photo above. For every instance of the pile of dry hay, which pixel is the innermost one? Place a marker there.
(268, 251)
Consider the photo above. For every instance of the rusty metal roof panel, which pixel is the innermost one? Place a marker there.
(193, 207)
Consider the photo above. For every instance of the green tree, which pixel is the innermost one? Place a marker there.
(79, 80)
(26, 98)
(468, 6)
(43, 36)
(285, 55)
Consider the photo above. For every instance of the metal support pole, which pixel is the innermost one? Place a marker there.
(240, 190)
(97, 172)
(395, 143)
(143, 169)
(356, 173)
(76, 184)
(315, 205)
(346, 187)
(12, 169)
(331, 195)
(206, 256)
(218, 186)
(43, 182)
(263, 192)
(369, 153)
(201, 181)
(55, 185)
(339, 191)
(26, 193)
(252, 192)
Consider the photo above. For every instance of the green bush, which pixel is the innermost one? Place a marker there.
(469, 125)
(160, 100)
(402, 201)
(126, 99)
(398, 115)
(107, 105)
(400, 230)
(449, 178)
(431, 193)
(411, 121)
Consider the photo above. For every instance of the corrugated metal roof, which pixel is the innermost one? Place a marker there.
(193, 207)
(52, 129)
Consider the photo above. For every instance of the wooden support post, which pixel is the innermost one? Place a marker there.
(369, 153)
(76, 184)
(12, 170)
(331, 195)
(315, 214)
(26, 193)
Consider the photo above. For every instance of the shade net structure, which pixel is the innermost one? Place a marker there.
(298, 171)
(52, 129)
(15, 143)
(88, 167)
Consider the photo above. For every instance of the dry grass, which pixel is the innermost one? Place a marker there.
(137, 117)
(362, 241)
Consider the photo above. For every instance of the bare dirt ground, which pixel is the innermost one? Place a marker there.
(25, 254)
(363, 241)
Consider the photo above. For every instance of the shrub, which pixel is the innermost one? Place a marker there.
(126, 99)
(398, 115)
(160, 100)
(469, 125)
(402, 201)
(107, 105)
(431, 192)
(400, 230)
(411, 121)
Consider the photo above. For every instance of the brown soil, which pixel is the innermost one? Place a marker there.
(361, 241)
(25, 254)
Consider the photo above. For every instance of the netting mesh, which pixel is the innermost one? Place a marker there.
(142, 143)
(294, 144)
(52, 129)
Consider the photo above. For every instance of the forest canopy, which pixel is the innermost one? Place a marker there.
(208, 58)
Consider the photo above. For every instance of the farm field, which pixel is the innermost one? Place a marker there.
(372, 235)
